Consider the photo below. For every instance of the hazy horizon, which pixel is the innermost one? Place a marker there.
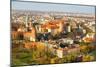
(52, 7)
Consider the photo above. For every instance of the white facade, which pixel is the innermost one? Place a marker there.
(68, 40)
(60, 53)
(69, 29)
(32, 39)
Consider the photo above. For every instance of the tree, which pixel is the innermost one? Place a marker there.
(84, 49)
(87, 58)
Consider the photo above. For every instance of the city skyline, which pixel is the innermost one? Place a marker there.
(52, 33)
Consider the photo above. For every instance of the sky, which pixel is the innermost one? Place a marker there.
(23, 5)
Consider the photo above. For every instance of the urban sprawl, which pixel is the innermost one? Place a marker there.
(52, 37)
